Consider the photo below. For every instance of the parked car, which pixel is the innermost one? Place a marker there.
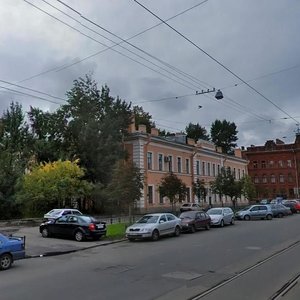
(154, 226)
(294, 205)
(255, 212)
(189, 206)
(279, 210)
(79, 227)
(264, 201)
(221, 216)
(11, 248)
(194, 220)
(56, 213)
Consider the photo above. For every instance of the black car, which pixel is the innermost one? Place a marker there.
(74, 226)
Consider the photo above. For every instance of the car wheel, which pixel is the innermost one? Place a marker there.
(45, 233)
(232, 221)
(207, 227)
(193, 229)
(177, 231)
(222, 223)
(5, 261)
(280, 215)
(269, 217)
(155, 235)
(246, 218)
(79, 237)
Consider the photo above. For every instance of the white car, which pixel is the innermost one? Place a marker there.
(56, 213)
(221, 216)
(153, 226)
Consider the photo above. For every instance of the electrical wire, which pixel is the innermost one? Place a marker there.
(217, 61)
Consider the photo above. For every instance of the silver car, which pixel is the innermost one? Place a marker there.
(255, 212)
(153, 226)
(59, 212)
(221, 216)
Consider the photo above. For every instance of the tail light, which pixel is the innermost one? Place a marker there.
(92, 227)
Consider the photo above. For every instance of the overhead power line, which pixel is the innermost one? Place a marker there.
(97, 41)
(217, 61)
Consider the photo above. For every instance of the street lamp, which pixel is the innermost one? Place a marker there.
(218, 95)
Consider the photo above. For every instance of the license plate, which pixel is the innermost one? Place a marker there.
(100, 226)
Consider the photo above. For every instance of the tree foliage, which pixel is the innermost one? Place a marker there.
(224, 134)
(200, 190)
(248, 187)
(142, 118)
(125, 188)
(57, 184)
(226, 185)
(172, 187)
(196, 132)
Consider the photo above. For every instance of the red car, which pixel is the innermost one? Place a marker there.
(294, 205)
(194, 220)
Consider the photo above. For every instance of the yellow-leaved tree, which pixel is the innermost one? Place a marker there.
(52, 185)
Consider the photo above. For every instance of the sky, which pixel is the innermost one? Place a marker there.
(249, 49)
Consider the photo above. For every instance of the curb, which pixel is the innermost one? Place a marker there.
(56, 253)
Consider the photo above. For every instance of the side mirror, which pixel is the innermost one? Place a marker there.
(161, 221)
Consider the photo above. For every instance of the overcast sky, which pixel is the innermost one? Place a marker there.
(257, 40)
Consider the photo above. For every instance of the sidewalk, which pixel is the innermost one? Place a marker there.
(37, 246)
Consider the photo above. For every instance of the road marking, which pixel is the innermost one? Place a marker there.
(253, 248)
(182, 275)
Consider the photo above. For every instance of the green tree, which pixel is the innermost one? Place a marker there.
(196, 132)
(199, 190)
(15, 142)
(56, 184)
(248, 188)
(225, 184)
(142, 118)
(172, 187)
(224, 134)
(125, 188)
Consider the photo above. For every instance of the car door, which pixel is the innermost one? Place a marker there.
(198, 220)
(163, 225)
(72, 224)
(254, 212)
(263, 210)
(227, 216)
(59, 227)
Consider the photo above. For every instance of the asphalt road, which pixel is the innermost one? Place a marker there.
(172, 268)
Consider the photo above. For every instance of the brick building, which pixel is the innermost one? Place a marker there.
(274, 168)
(156, 156)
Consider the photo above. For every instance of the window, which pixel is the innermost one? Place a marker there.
(203, 168)
(255, 164)
(263, 164)
(187, 166)
(188, 195)
(290, 177)
(264, 179)
(208, 169)
(256, 179)
(160, 162)
(273, 178)
(150, 194)
(198, 167)
(281, 178)
(289, 163)
(271, 163)
(170, 217)
(219, 169)
(280, 163)
(214, 170)
(239, 174)
(149, 160)
(179, 164)
(234, 173)
(243, 173)
(170, 163)
(161, 199)
(163, 219)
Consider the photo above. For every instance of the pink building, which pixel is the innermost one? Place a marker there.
(156, 156)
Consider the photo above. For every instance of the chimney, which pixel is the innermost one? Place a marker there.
(219, 149)
(131, 127)
(142, 128)
(154, 131)
(238, 152)
(190, 141)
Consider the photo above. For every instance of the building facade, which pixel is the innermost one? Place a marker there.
(274, 168)
(156, 156)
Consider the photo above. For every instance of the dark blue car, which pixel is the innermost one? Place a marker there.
(11, 248)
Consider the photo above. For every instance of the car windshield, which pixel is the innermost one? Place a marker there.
(187, 215)
(185, 205)
(148, 219)
(215, 211)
